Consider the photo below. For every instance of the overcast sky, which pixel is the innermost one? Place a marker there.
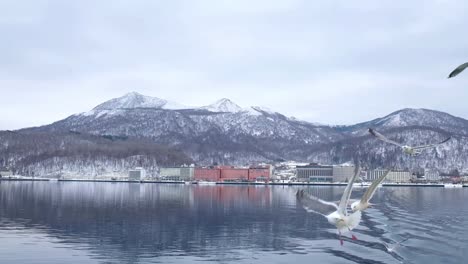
(335, 62)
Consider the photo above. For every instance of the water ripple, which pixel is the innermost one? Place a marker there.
(150, 223)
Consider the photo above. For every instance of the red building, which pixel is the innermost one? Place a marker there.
(259, 173)
(229, 173)
(207, 174)
(234, 174)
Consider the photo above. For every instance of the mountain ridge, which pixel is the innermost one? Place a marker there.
(224, 132)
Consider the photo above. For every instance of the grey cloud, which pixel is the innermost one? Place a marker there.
(315, 60)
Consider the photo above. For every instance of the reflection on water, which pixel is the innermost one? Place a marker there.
(42, 222)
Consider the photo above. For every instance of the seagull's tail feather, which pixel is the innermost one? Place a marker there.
(351, 222)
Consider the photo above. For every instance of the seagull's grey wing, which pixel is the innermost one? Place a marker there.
(458, 70)
(350, 201)
(347, 193)
(383, 138)
(372, 188)
(314, 204)
(431, 145)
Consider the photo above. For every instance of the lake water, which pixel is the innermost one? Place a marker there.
(74, 222)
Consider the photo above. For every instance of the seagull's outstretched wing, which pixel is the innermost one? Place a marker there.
(383, 138)
(432, 145)
(314, 204)
(347, 193)
(350, 201)
(372, 188)
(458, 70)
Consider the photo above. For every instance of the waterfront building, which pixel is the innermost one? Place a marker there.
(234, 174)
(207, 174)
(314, 173)
(5, 173)
(177, 173)
(137, 174)
(398, 176)
(393, 176)
(260, 173)
(230, 173)
(343, 173)
(373, 175)
(432, 175)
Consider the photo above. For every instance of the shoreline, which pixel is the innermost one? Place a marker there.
(226, 183)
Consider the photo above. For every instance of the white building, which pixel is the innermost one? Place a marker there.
(432, 175)
(398, 176)
(373, 175)
(137, 174)
(4, 173)
(343, 173)
(393, 176)
(314, 173)
(177, 173)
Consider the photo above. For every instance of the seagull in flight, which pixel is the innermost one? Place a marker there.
(363, 204)
(458, 70)
(413, 151)
(336, 215)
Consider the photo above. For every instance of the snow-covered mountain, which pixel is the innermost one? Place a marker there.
(135, 100)
(223, 105)
(225, 132)
(222, 131)
(414, 117)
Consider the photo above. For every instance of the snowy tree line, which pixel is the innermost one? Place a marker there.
(38, 153)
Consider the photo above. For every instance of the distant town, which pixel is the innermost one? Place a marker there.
(282, 173)
(292, 172)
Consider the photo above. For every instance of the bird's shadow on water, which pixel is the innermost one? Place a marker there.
(377, 246)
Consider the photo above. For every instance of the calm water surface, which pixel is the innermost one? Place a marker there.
(70, 222)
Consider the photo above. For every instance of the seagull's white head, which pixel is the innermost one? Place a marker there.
(334, 218)
(360, 206)
(355, 206)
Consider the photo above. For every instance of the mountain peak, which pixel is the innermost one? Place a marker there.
(223, 105)
(137, 100)
(133, 94)
(410, 117)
